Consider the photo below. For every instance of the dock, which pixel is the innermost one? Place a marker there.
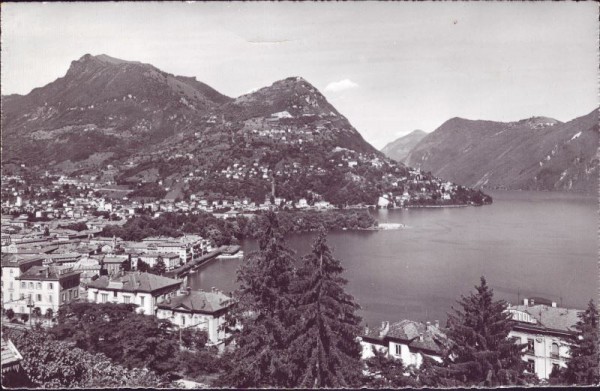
(184, 270)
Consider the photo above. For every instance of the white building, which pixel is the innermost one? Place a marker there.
(47, 288)
(407, 340)
(13, 265)
(199, 309)
(548, 332)
(143, 289)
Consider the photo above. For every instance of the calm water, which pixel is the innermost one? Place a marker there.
(526, 243)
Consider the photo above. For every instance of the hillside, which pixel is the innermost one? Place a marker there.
(115, 121)
(537, 153)
(401, 147)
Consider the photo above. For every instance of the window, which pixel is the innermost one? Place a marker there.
(38, 297)
(554, 351)
(530, 345)
(75, 292)
(70, 294)
(555, 368)
(64, 297)
(50, 298)
(531, 366)
(23, 285)
(11, 296)
(22, 296)
(11, 271)
(114, 293)
(142, 300)
(126, 299)
(11, 285)
(50, 286)
(38, 285)
(398, 350)
(104, 297)
(31, 285)
(182, 320)
(95, 297)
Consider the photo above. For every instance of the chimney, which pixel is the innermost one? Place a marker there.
(526, 302)
(554, 304)
(428, 326)
(213, 289)
(437, 323)
(385, 327)
(420, 337)
(367, 329)
(532, 302)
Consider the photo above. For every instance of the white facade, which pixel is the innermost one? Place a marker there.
(185, 319)
(145, 301)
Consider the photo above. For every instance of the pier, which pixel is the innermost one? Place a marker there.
(184, 270)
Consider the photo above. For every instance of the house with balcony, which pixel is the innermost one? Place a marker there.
(548, 331)
(146, 290)
(198, 309)
(407, 340)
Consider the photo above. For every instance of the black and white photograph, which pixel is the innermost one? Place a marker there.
(299, 195)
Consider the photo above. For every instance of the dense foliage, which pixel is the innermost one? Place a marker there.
(583, 367)
(223, 232)
(263, 309)
(481, 353)
(324, 337)
(133, 340)
(51, 363)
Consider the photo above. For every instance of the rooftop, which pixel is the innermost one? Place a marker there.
(414, 334)
(10, 354)
(50, 272)
(198, 301)
(554, 318)
(135, 282)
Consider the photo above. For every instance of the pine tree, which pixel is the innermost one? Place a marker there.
(264, 310)
(481, 352)
(325, 350)
(583, 368)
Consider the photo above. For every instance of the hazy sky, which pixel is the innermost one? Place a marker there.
(389, 68)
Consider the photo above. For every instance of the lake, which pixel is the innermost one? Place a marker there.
(526, 244)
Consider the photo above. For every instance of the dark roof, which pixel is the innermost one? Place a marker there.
(16, 260)
(135, 282)
(197, 301)
(49, 272)
(552, 318)
(416, 335)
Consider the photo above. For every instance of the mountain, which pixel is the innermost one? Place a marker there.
(114, 121)
(537, 153)
(401, 147)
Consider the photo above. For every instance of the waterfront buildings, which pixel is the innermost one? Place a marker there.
(198, 309)
(548, 332)
(407, 340)
(143, 289)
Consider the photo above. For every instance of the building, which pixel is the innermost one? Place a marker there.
(13, 375)
(548, 332)
(203, 310)
(13, 265)
(143, 289)
(47, 288)
(407, 340)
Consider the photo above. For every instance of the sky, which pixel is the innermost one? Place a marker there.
(389, 67)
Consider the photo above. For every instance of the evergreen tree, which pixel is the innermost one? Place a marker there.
(583, 368)
(263, 309)
(386, 372)
(481, 352)
(325, 350)
(160, 267)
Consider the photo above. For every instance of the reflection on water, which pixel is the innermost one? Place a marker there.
(526, 244)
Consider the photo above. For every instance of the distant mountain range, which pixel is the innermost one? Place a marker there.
(127, 122)
(401, 147)
(537, 153)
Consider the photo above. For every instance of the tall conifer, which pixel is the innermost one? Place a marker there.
(263, 309)
(583, 367)
(481, 352)
(325, 350)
